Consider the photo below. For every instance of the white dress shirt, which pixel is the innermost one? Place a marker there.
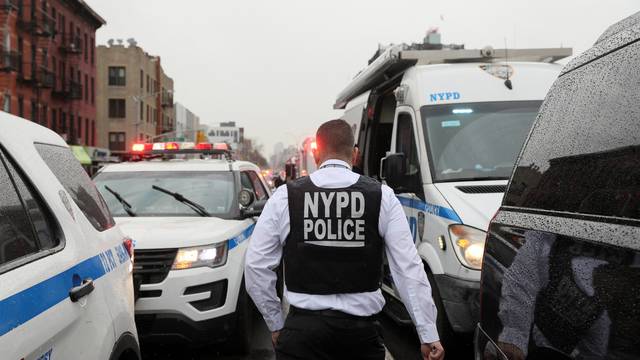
(271, 231)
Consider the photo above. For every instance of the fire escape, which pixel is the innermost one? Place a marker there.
(9, 59)
(69, 86)
(38, 28)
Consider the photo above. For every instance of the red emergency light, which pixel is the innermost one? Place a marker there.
(141, 147)
(221, 146)
(204, 146)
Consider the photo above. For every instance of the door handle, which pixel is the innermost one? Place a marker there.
(78, 292)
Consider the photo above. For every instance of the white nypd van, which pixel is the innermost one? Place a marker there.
(191, 210)
(443, 125)
(66, 289)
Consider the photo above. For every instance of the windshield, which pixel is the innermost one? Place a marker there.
(476, 141)
(214, 191)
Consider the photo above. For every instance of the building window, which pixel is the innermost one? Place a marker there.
(86, 49)
(79, 132)
(72, 130)
(93, 133)
(63, 123)
(6, 105)
(45, 113)
(117, 108)
(148, 82)
(20, 56)
(141, 111)
(86, 131)
(93, 91)
(148, 118)
(141, 79)
(34, 110)
(93, 49)
(117, 76)
(54, 120)
(117, 141)
(86, 88)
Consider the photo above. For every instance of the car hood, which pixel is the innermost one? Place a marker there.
(177, 232)
(477, 206)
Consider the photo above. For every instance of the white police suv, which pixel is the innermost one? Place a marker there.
(66, 288)
(190, 209)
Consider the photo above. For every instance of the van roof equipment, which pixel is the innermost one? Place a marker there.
(398, 58)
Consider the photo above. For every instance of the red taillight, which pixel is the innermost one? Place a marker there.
(128, 245)
(204, 146)
(314, 146)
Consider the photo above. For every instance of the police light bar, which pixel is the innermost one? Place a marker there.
(170, 148)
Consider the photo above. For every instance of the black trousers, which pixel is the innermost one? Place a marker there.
(328, 336)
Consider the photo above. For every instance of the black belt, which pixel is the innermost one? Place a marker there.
(331, 313)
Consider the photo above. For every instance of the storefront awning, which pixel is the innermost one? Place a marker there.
(81, 154)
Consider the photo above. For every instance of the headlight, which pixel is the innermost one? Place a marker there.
(211, 256)
(468, 243)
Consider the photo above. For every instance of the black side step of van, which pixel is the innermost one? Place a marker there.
(396, 310)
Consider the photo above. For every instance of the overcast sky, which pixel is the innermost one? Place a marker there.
(275, 67)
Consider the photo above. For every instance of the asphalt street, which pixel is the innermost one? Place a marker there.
(402, 344)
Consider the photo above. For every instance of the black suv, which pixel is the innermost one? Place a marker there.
(561, 272)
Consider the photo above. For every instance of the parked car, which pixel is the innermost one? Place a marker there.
(66, 289)
(561, 271)
(191, 210)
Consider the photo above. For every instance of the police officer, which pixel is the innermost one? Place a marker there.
(331, 229)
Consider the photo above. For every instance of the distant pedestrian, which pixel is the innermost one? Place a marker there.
(332, 250)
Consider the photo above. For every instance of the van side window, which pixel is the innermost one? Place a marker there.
(37, 211)
(80, 187)
(17, 238)
(583, 153)
(406, 143)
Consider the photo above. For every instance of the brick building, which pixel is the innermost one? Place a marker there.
(136, 97)
(48, 65)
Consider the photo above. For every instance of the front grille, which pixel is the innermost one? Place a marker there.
(152, 266)
(482, 189)
(217, 298)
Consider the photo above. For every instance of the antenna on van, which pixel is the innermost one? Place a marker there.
(507, 82)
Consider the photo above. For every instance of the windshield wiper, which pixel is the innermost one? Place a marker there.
(125, 204)
(190, 203)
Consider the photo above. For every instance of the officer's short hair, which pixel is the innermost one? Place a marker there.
(335, 137)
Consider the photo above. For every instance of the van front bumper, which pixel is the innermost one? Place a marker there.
(461, 300)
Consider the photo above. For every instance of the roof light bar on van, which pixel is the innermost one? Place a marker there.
(396, 59)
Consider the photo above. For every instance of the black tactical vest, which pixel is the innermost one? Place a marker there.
(334, 246)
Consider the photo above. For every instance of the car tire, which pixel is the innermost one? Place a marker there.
(447, 336)
(241, 341)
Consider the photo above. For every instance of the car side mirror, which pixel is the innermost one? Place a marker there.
(394, 171)
(246, 198)
(255, 209)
